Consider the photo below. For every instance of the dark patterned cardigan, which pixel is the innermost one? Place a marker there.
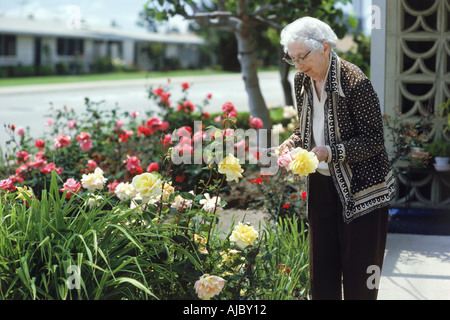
(358, 161)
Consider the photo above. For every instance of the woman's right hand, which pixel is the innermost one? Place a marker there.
(286, 146)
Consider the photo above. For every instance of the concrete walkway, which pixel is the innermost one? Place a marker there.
(416, 267)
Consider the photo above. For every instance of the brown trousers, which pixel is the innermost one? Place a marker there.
(341, 253)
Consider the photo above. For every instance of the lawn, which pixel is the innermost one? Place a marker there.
(103, 77)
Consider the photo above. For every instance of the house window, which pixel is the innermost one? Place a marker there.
(70, 47)
(7, 45)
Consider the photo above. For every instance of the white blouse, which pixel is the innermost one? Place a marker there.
(318, 123)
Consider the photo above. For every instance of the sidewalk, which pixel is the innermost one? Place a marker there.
(416, 267)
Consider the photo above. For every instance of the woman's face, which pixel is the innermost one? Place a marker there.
(315, 65)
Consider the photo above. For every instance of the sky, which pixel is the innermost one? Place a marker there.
(99, 13)
(94, 12)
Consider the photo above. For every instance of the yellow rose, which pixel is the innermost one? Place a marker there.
(303, 162)
(24, 190)
(94, 181)
(147, 185)
(208, 286)
(166, 189)
(231, 168)
(229, 258)
(243, 235)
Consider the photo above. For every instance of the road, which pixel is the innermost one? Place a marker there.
(27, 106)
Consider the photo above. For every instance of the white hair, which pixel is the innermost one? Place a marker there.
(311, 31)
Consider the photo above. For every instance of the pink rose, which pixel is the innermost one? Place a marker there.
(7, 185)
(199, 136)
(255, 123)
(84, 140)
(48, 168)
(71, 124)
(39, 144)
(158, 91)
(153, 124)
(185, 86)
(164, 126)
(39, 161)
(92, 164)
(112, 186)
(183, 149)
(20, 131)
(166, 140)
(61, 141)
(22, 156)
(241, 145)
(187, 106)
(184, 131)
(165, 98)
(284, 159)
(123, 137)
(86, 145)
(133, 165)
(154, 166)
(83, 136)
(229, 132)
(71, 186)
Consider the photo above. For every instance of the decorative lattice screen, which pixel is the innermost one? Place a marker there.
(423, 51)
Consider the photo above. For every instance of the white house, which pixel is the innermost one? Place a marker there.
(31, 42)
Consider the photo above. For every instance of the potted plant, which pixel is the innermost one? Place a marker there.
(440, 149)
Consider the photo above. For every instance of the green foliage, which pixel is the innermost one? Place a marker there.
(88, 244)
(117, 255)
(359, 55)
(281, 195)
(271, 17)
(439, 148)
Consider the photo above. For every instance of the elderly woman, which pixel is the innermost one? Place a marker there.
(349, 194)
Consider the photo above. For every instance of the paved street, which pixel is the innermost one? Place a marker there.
(27, 105)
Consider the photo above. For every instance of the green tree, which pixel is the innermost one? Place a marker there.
(241, 17)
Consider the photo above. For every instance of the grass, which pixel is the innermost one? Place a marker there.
(103, 77)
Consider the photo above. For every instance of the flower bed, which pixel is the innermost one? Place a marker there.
(120, 206)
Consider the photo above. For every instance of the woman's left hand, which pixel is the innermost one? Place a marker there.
(321, 153)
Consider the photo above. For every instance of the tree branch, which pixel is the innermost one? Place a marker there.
(266, 8)
(211, 15)
(264, 21)
(223, 20)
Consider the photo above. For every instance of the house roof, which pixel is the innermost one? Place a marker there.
(34, 27)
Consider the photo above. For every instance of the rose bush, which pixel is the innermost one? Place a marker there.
(100, 192)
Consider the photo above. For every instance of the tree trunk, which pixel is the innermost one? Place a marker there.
(249, 70)
(285, 84)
